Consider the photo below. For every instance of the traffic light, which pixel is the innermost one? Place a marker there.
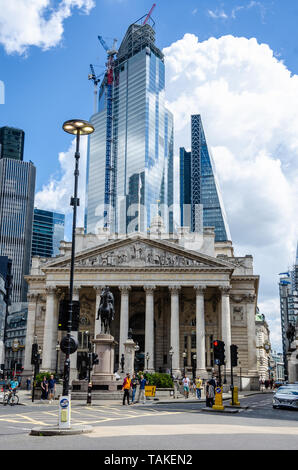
(64, 315)
(219, 352)
(34, 353)
(95, 359)
(234, 355)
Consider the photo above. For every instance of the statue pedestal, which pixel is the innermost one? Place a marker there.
(129, 354)
(103, 377)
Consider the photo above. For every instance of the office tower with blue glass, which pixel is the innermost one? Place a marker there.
(48, 232)
(130, 164)
(17, 188)
(12, 143)
(199, 187)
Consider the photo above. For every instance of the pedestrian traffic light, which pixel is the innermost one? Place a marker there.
(234, 355)
(95, 359)
(219, 352)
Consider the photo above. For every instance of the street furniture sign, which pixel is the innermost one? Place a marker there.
(218, 405)
(150, 390)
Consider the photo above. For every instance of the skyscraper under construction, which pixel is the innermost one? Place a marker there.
(130, 154)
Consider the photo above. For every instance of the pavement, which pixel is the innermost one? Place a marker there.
(26, 399)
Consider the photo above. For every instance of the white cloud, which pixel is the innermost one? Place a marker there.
(217, 14)
(25, 23)
(248, 101)
(56, 194)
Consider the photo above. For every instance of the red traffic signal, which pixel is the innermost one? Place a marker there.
(219, 352)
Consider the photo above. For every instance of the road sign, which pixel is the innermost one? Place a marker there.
(150, 390)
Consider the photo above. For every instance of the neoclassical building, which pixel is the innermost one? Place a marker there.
(179, 291)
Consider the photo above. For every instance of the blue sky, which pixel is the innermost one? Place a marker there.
(44, 88)
(245, 88)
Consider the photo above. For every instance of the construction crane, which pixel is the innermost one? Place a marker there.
(96, 81)
(109, 189)
(149, 14)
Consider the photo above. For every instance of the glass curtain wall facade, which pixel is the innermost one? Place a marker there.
(12, 143)
(198, 172)
(185, 187)
(17, 187)
(48, 231)
(142, 160)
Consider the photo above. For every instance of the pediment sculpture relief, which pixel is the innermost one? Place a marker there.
(138, 254)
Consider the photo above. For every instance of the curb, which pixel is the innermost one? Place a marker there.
(56, 431)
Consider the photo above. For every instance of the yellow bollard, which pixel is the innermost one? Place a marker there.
(235, 401)
(218, 405)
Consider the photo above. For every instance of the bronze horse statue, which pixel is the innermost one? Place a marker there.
(106, 310)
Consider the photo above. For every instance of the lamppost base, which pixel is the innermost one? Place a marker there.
(56, 431)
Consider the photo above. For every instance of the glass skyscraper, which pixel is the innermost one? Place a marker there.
(12, 143)
(198, 184)
(17, 187)
(48, 231)
(141, 166)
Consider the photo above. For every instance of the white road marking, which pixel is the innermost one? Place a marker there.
(182, 429)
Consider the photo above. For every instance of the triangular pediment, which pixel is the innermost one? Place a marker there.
(134, 252)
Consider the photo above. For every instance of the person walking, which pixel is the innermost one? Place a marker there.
(185, 383)
(134, 383)
(28, 384)
(199, 387)
(52, 388)
(141, 395)
(126, 388)
(44, 389)
(210, 393)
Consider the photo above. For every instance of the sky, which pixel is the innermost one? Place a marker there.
(234, 62)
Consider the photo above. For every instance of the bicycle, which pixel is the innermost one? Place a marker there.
(11, 398)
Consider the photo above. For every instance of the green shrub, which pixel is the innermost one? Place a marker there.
(160, 380)
(41, 375)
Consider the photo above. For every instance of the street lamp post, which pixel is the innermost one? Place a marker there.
(171, 352)
(184, 354)
(147, 360)
(69, 344)
(194, 366)
(57, 355)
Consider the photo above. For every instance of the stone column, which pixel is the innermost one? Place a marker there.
(200, 332)
(97, 325)
(251, 334)
(75, 334)
(226, 323)
(175, 329)
(124, 319)
(50, 331)
(149, 327)
(32, 306)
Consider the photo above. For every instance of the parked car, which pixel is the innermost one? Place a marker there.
(286, 397)
(278, 384)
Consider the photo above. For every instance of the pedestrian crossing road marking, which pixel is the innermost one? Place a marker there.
(186, 429)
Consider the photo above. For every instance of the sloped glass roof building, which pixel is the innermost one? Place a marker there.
(199, 185)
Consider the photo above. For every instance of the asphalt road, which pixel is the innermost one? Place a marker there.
(155, 427)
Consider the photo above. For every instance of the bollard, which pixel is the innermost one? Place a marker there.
(235, 401)
(218, 405)
(89, 392)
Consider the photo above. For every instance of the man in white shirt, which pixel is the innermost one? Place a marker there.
(186, 383)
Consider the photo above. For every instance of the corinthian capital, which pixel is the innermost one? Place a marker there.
(125, 289)
(200, 290)
(225, 290)
(174, 289)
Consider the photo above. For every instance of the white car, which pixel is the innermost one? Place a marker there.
(286, 397)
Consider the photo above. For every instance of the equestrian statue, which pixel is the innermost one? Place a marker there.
(106, 310)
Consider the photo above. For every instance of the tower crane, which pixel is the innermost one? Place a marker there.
(96, 81)
(149, 14)
(109, 168)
